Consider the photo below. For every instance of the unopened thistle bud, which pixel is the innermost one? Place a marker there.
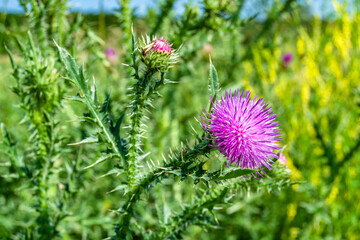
(157, 54)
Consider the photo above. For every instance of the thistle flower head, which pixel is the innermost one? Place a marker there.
(161, 46)
(110, 52)
(244, 130)
(286, 59)
(157, 54)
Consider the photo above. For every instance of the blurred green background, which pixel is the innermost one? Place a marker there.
(315, 96)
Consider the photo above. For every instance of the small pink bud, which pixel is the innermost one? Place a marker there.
(282, 159)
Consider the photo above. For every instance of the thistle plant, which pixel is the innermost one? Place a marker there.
(251, 150)
(91, 165)
(97, 144)
(158, 57)
(40, 92)
(40, 97)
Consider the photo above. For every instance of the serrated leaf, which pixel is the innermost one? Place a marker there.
(86, 119)
(115, 130)
(76, 74)
(133, 46)
(10, 56)
(105, 105)
(213, 80)
(101, 159)
(86, 140)
(76, 98)
(234, 174)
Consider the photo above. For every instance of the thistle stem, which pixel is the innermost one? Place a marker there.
(134, 139)
(178, 160)
(126, 15)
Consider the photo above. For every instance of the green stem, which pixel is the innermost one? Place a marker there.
(134, 140)
(61, 19)
(191, 215)
(126, 23)
(177, 161)
(44, 152)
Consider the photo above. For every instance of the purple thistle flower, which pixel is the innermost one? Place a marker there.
(287, 59)
(243, 130)
(110, 52)
(111, 55)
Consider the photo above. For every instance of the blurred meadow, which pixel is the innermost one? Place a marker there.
(306, 66)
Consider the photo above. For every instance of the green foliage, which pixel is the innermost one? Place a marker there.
(34, 164)
(233, 174)
(78, 161)
(40, 96)
(98, 112)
